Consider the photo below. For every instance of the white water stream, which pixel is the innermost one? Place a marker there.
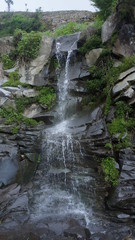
(63, 170)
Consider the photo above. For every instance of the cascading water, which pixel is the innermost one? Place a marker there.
(64, 168)
(63, 82)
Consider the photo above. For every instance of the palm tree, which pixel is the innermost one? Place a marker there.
(9, 2)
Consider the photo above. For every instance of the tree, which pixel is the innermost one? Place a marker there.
(9, 3)
(105, 6)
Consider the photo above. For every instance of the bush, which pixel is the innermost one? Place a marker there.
(70, 28)
(23, 102)
(14, 80)
(110, 171)
(47, 97)
(92, 43)
(20, 21)
(27, 45)
(13, 116)
(7, 61)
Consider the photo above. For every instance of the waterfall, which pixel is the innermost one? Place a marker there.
(64, 82)
(56, 194)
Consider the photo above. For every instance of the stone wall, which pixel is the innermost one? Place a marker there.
(55, 19)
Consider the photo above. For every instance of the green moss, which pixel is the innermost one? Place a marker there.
(108, 146)
(15, 130)
(110, 171)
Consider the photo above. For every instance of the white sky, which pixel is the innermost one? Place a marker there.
(48, 5)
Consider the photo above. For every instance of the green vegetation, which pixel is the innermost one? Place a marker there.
(98, 22)
(13, 117)
(125, 8)
(121, 125)
(108, 146)
(47, 97)
(14, 80)
(7, 61)
(110, 171)
(20, 21)
(69, 28)
(103, 77)
(15, 130)
(92, 43)
(23, 102)
(27, 44)
(105, 6)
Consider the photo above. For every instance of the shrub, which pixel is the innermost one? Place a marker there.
(23, 102)
(70, 28)
(47, 97)
(91, 43)
(14, 80)
(128, 62)
(20, 21)
(28, 45)
(111, 173)
(7, 62)
(13, 116)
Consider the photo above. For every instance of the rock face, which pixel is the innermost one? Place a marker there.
(93, 56)
(15, 204)
(125, 86)
(6, 45)
(125, 44)
(123, 198)
(8, 160)
(37, 73)
(108, 27)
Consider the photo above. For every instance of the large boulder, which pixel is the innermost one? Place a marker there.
(37, 73)
(109, 27)
(92, 56)
(125, 44)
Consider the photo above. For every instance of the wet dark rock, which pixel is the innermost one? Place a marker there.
(125, 44)
(8, 160)
(123, 198)
(14, 207)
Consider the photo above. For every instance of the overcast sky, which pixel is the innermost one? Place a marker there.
(48, 5)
